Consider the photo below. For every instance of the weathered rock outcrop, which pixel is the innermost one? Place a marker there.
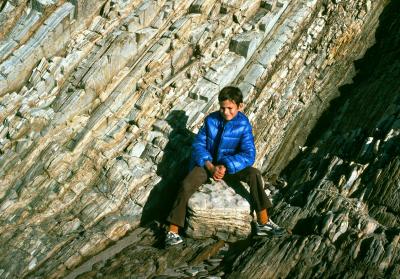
(99, 102)
(341, 200)
(221, 210)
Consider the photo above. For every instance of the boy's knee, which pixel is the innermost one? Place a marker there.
(184, 193)
(254, 172)
(187, 188)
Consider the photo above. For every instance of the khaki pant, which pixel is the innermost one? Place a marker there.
(199, 176)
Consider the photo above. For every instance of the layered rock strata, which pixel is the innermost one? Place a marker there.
(342, 195)
(221, 210)
(99, 101)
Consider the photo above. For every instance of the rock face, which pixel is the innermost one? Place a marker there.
(220, 210)
(341, 202)
(99, 102)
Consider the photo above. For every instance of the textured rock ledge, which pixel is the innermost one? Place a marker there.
(219, 210)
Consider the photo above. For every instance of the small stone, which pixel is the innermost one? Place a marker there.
(32, 264)
(191, 272)
(245, 44)
(268, 4)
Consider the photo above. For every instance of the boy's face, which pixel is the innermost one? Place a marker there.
(229, 109)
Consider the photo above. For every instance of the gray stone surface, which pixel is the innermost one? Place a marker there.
(204, 90)
(245, 44)
(217, 210)
(254, 74)
(224, 71)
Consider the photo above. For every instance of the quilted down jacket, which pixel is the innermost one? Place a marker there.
(230, 143)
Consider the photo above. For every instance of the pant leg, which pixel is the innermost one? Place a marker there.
(252, 176)
(190, 184)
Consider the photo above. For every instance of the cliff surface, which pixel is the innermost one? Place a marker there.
(99, 102)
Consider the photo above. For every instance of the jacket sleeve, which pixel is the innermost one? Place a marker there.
(200, 154)
(246, 154)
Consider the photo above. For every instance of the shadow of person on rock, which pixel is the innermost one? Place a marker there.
(173, 167)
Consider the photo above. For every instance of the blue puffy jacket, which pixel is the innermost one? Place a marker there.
(235, 150)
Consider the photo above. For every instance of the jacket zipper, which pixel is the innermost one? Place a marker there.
(220, 140)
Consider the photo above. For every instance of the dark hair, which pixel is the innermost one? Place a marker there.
(231, 93)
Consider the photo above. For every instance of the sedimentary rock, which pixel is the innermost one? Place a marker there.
(340, 201)
(219, 210)
(99, 102)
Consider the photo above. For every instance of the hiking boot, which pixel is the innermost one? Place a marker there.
(269, 228)
(172, 239)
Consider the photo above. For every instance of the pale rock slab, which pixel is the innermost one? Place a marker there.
(204, 90)
(225, 70)
(216, 209)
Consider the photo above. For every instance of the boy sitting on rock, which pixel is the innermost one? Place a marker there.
(223, 149)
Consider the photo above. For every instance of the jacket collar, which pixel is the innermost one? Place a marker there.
(220, 118)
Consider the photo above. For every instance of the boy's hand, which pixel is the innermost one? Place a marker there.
(219, 172)
(210, 167)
